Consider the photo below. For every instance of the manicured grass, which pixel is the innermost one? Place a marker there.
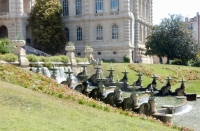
(22, 109)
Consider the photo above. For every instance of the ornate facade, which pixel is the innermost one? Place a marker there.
(114, 28)
(194, 25)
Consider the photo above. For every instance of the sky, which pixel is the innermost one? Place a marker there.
(187, 8)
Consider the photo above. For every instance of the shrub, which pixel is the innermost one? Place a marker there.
(43, 59)
(48, 65)
(55, 59)
(8, 57)
(81, 59)
(65, 59)
(176, 62)
(127, 58)
(32, 58)
(6, 46)
(195, 63)
(109, 61)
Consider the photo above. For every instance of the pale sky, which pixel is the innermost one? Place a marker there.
(187, 8)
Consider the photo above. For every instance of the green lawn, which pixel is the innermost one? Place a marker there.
(22, 109)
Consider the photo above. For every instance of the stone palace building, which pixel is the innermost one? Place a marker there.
(113, 28)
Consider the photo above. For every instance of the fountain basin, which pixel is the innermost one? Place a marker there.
(171, 105)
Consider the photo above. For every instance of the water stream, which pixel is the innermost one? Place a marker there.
(60, 73)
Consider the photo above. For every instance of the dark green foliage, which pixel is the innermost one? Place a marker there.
(176, 62)
(6, 46)
(196, 64)
(48, 28)
(172, 39)
(8, 57)
(126, 58)
(109, 61)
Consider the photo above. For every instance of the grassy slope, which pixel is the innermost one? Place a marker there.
(192, 86)
(22, 109)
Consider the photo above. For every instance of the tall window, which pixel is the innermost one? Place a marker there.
(67, 34)
(99, 6)
(99, 33)
(114, 32)
(78, 7)
(79, 34)
(114, 5)
(65, 8)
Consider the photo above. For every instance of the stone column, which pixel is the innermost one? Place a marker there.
(106, 7)
(126, 5)
(140, 8)
(87, 32)
(72, 8)
(151, 11)
(136, 9)
(20, 7)
(137, 39)
(145, 10)
(142, 33)
(127, 33)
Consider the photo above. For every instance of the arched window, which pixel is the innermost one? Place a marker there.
(78, 7)
(99, 6)
(114, 32)
(67, 34)
(114, 5)
(79, 34)
(65, 8)
(99, 33)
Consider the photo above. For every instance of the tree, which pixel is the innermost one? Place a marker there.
(172, 39)
(48, 28)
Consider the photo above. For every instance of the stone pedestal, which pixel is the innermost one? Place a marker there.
(20, 52)
(118, 93)
(71, 55)
(153, 106)
(88, 54)
(134, 96)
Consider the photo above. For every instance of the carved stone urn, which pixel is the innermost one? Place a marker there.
(69, 48)
(88, 50)
(18, 44)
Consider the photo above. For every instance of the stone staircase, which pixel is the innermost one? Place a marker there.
(31, 50)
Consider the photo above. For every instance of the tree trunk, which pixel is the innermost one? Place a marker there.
(167, 60)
